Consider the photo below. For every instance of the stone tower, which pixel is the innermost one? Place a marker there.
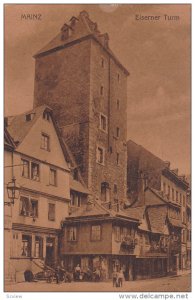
(80, 78)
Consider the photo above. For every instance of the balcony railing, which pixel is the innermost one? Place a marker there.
(128, 244)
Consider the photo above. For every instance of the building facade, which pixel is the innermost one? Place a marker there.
(40, 169)
(145, 170)
(100, 238)
(80, 78)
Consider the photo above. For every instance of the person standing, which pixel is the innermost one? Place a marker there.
(114, 278)
(120, 278)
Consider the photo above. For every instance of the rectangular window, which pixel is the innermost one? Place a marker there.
(118, 104)
(173, 195)
(177, 196)
(102, 62)
(25, 168)
(45, 142)
(118, 77)
(117, 159)
(34, 208)
(24, 206)
(75, 199)
(38, 246)
(105, 192)
(28, 207)
(26, 245)
(169, 192)
(115, 188)
(35, 174)
(103, 122)
(101, 90)
(95, 232)
(16, 245)
(117, 234)
(117, 132)
(180, 198)
(52, 177)
(100, 155)
(72, 233)
(125, 231)
(51, 212)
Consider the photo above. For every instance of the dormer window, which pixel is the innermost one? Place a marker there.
(73, 21)
(29, 117)
(65, 32)
(46, 115)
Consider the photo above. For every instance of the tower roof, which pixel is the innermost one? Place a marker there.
(77, 30)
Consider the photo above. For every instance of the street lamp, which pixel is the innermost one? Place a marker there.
(13, 191)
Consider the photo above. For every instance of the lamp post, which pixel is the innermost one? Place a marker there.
(13, 191)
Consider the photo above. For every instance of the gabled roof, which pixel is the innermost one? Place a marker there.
(136, 212)
(157, 218)
(88, 210)
(81, 30)
(76, 185)
(160, 195)
(18, 127)
(98, 210)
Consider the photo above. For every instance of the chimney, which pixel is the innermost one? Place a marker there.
(84, 14)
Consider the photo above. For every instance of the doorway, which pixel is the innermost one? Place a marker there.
(50, 258)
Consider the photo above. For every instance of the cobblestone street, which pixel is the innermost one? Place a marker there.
(180, 283)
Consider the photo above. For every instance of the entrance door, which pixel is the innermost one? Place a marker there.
(49, 260)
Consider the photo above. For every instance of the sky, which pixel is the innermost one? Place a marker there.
(156, 53)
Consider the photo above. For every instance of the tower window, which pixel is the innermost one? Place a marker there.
(117, 158)
(118, 104)
(100, 155)
(105, 192)
(118, 77)
(115, 189)
(101, 90)
(117, 132)
(103, 122)
(102, 62)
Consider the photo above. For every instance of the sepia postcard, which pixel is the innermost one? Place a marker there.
(97, 148)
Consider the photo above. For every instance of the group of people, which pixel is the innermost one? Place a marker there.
(117, 278)
(88, 274)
